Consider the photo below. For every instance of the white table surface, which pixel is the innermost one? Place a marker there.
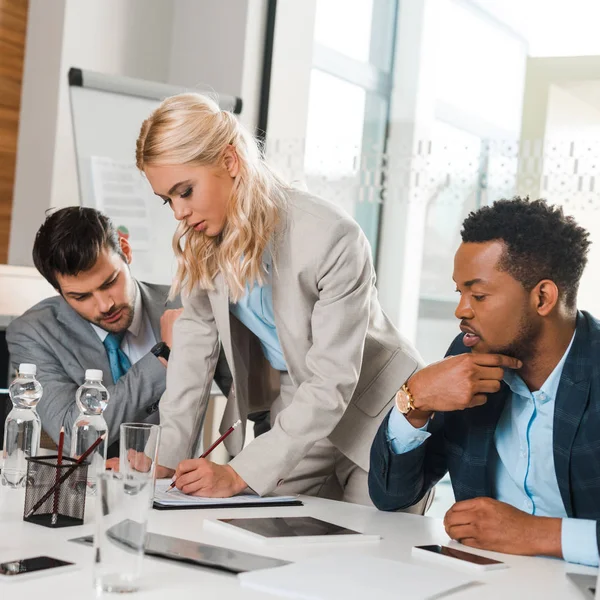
(528, 578)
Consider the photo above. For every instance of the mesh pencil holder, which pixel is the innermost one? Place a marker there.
(64, 508)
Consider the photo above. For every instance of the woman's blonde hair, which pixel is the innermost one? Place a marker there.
(190, 129)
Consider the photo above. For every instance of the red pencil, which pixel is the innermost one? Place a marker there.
(61, 443)
(215, 444)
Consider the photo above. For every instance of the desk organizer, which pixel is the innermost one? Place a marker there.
(65, 509)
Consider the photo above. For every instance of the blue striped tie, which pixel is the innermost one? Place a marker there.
(119, 363)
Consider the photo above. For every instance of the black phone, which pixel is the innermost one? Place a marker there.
(24, 566)
(445, 552)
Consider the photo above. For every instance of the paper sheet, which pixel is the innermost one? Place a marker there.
(121, 193)
(354, 578)
(177, 498)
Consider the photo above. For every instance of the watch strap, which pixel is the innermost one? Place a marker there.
(161, 350)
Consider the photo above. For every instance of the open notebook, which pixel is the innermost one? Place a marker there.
(175, 499)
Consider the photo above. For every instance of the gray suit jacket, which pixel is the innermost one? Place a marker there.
(63, 345)
(343, 354)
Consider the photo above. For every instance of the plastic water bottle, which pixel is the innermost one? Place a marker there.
(92, 399)
(23, 427)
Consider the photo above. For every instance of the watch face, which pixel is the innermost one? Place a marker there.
(402, 402)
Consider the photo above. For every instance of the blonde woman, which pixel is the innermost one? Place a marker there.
(285, 282)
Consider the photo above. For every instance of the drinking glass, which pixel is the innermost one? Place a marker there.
(138, 451)
(122, 508)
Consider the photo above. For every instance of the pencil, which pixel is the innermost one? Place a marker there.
(61, 443)
(215, 444)
(66, 475)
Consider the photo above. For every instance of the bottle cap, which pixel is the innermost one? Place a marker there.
(27, 369)
(94, 374)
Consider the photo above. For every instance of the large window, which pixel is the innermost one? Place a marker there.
(350, 88)
(477, 80)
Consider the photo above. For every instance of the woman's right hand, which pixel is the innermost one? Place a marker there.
(201, 477)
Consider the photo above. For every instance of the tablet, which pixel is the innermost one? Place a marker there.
(289, 530)
(204, 555)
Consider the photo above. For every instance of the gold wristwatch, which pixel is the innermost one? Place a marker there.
(405, 400)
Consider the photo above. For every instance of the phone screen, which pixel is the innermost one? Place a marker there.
(29, 565)
(460, 554)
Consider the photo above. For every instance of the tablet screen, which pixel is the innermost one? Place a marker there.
(188, 551)
(285, 527)
(29, 565)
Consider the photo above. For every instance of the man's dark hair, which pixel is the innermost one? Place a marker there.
(541, 242)
(70, 241)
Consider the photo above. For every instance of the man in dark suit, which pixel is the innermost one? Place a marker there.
(102, 318)
(513, 413)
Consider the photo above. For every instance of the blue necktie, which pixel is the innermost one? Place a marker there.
(119, 363)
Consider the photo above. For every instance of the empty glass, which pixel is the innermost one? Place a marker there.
(122, 507)
(138, 450)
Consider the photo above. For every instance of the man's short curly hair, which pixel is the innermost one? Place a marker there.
(541, 242)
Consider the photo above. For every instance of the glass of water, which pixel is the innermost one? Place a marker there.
(122, 508)
(138, 451)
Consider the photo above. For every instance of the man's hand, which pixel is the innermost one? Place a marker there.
(139, 462)
(164, 472)
(492, 525)
(201, 477)
(456, 383)
(112, 464)
(166, 325)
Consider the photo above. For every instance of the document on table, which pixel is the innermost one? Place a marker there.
(177, 499)
(354, 578)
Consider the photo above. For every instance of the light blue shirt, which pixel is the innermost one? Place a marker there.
(523, 461)
(255, 311)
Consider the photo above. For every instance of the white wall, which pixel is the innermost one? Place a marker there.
(220, 45)
(208, 30)
(126, 38)
(194, 43)
(253, 56)
(37, 125)
(555, 117)
(571, 118)
(110, 36)
(544, 72)
(290, 85)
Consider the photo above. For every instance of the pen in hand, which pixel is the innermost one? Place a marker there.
(214, 445)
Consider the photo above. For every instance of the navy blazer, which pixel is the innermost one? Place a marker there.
(461, 441)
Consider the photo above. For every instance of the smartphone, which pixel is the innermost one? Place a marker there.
(19, 570)
(453, 556)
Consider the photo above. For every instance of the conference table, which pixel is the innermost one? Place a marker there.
(529, 578)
